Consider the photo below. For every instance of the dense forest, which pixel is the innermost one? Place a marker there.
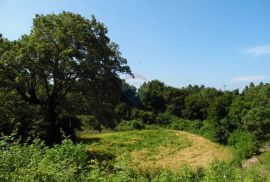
(64, 77)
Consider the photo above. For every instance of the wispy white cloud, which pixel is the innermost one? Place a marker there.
(251, 78)
(259, 50)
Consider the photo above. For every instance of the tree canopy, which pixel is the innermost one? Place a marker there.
(63, 54)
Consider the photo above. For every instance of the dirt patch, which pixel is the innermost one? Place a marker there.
(250, 162)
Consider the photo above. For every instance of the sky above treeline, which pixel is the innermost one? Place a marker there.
(222, 44)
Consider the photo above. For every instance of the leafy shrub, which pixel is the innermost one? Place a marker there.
(186, 125)
(70, 162)
(137, 124)
(90, 122)
(162, 175)
(244, 142)
(194, 126)
(36, 162)
(163, 118)
(124, 126)
(146, 116)
(122, 111)
(130, 125)
(222, 172)
(179, 124)
(209, 130)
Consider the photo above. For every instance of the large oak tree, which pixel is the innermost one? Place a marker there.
(64, 53)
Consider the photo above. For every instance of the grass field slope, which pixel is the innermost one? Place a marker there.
(150, 150)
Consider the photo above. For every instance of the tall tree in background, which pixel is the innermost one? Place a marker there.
(152, 96)
(62, 53)
(197, 104)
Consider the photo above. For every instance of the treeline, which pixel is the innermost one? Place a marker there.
(240, 119)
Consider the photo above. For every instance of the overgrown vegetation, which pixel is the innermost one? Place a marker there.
(64, 76)
(71, 162)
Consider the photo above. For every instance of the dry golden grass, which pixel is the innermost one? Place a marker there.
(200, 154)
(191, 150)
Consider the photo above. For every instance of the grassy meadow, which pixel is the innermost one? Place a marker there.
(158, 155)
(151, 150)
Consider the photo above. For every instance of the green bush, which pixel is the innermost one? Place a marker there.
(179, 124)
(124, 126)
(122, 111)
(70, 162)
(130, 125)
(36, 162)
(245, 143)
(163, 118)
(194, 126)
(209, 130)
(222, 172)
(146, 116)
(162, 175)
(90, 122)
(137, 124)
(185, 125)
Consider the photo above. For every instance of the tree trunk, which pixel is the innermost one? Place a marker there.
(53, 135)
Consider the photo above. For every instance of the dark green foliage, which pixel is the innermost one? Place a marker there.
(245, 143)
(163, 119)
(36, 162)
(237, 110)
(130, 125)
(146, 116)
(137, 125)
(89, 122)
(179, 124)
(174, 99)
(209, 130)
(257, 120)
(255, 116)
(151, 96)
(186, 125)
(65, 59)
(209, 112)
(122, 111)
(196, 105)
(129, 95)
(18, 115)
(217, 131)
(220, 107)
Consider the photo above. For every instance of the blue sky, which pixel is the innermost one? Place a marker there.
(179, 42)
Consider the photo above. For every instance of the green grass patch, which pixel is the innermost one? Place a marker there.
(151, 144)
(150, 150)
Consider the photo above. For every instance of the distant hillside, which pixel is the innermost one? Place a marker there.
(150, 150)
